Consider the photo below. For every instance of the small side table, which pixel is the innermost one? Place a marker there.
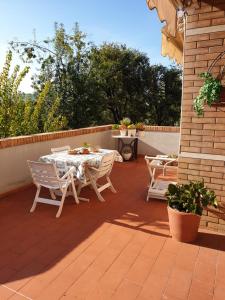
(127, 142)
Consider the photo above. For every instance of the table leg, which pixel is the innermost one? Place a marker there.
(136, 148)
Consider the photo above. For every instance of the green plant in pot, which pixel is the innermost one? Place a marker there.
(131, 130)
(115, 129)
(140, 127)
(125, 121)
(123, 130)
(127, 153)
(209, 93)
(185, 206)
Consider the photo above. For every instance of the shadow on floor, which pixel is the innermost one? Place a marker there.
(32, 244)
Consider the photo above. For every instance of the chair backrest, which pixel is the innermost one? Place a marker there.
(44, 174)
(60, 149)
(106, 165)
(149, 160)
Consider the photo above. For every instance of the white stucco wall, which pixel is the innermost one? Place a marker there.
(155, 142)
(14, 172)
(13, 160)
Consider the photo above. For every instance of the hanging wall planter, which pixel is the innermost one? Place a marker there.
(212, 93)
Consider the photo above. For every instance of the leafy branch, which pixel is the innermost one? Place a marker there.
(209, 93)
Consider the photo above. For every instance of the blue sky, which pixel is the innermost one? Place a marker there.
(123, 21)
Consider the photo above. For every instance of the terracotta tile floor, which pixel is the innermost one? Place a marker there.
(120, 249)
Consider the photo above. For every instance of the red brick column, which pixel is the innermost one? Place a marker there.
(203, 138)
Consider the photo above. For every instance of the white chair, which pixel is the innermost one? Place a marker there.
(46, 175)
(94, 174)
(60, 149)
(158, 187)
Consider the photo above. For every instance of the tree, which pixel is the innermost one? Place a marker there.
(121, 75)
(19, 115)
(64, 60)
(102, 84)
(165, 95)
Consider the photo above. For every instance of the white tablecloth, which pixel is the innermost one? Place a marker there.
(65, 161)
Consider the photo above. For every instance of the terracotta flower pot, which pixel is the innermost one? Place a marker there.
(183, 226)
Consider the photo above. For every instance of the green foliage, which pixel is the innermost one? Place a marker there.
(140, 126)
(164, 96)
(86, 145)
(172, 155)
(21, 115)
(125, 121)
(101, 84)
(209, 93)
(122, 77)
(122, 127)
(131, 126)
(115, 126)
(190, 198)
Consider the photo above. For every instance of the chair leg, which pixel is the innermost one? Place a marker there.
(52, 194)
(74, 192)
(35, 199)
(111, 185)
(79, 188)
(100, 198)
(147, 199)
(62, 202)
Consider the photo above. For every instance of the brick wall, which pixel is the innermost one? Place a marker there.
(203, 138)
(43, 137)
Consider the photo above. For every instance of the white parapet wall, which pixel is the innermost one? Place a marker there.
(14, 152)
(156, 142)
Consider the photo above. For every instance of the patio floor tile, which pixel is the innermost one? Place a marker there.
(119, 249)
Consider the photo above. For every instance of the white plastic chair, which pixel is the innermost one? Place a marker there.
(158, 187)
(60, 149)
(94, 174)
(46, 175)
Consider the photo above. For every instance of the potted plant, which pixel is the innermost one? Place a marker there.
(209, 93)
(140, 127)
(126, 153)
(86, 148)
(115, 129)
(123, 130)
(185, 207)
(174, 156)
(131, 130)
(125, 121)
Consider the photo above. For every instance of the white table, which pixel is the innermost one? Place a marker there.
(65, 161)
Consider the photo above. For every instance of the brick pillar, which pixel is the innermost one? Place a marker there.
(203, 138)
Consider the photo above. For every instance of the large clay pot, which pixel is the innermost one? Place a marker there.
(183, 226)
